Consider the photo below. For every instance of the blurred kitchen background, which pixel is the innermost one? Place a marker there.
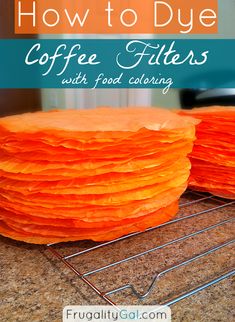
(18, 101)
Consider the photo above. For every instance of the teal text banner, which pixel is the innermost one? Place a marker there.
(129, 63)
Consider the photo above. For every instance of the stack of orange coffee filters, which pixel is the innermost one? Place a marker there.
(213, 156)
(91, 174)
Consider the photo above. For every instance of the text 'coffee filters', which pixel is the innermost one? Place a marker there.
(91, 174)
(213, 156)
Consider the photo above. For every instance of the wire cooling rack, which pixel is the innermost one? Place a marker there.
(137, 267)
